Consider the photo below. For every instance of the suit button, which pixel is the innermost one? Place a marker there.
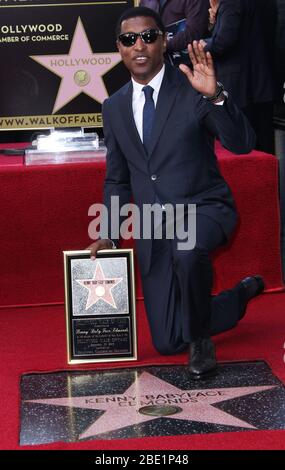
(153, 177)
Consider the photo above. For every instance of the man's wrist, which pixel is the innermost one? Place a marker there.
(218, 96)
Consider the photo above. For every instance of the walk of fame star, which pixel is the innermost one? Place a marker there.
(81, 70)
(99, 287)
(148, 390)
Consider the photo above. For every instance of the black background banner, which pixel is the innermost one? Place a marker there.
(280, 63)
(29, 90)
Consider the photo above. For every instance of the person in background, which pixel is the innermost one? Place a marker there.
(214, 5)
(238, 45)
(195, 12)
(159, 132)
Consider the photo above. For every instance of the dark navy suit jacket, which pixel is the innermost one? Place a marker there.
(182, 157)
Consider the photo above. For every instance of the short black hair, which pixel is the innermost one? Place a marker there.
(139, 11)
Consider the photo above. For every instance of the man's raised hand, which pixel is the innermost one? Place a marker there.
(202, 77)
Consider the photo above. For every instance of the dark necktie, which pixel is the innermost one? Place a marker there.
(148, 116)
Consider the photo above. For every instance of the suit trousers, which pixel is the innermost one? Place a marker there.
(177, 291)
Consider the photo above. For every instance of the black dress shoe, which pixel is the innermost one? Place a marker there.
(202, 358)
(249, 288)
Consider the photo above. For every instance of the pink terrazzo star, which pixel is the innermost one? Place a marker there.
(100, 287)
(81, 70)
(122, 410)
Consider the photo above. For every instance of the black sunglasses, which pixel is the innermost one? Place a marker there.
(149, 36)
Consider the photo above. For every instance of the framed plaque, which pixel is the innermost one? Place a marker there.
(100, 306)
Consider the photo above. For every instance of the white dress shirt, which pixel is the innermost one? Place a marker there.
(139, 98)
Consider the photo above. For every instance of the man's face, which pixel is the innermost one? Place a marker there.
(142, 60)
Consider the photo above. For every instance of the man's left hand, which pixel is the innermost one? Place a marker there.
(203, 77)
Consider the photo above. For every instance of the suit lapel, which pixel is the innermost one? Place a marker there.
(128, 120)
(166, 98)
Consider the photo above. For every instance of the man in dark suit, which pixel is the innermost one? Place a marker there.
(243, 63)
(195, 13)
(174, 163)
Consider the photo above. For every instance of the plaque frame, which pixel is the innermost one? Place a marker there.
(81, 327)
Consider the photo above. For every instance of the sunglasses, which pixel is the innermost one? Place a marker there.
(148, 37)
